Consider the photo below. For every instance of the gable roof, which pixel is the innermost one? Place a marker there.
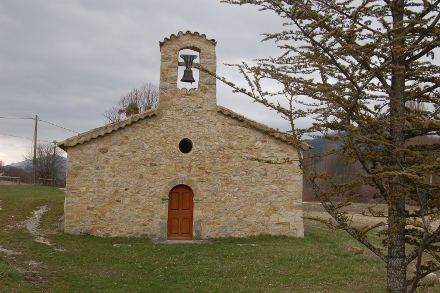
(104, 130)
(283, 136)
(112, 127)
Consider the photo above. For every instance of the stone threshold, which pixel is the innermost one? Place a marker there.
(182, 242)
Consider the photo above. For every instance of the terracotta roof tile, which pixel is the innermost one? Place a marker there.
(283, 136)
(109, 128)
(106, 129)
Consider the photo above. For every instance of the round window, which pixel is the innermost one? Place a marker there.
(185, 145)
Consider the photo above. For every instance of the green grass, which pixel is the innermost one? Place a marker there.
(320, 262)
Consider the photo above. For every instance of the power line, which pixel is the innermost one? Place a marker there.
(16, 136)
(21, 118)
(56, 125)
(44, 121)
(22, 137)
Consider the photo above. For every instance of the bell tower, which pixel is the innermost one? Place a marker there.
(204, 96)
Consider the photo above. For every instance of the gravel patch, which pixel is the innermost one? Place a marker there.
(32, 223)
(8, 252)
(356, 211)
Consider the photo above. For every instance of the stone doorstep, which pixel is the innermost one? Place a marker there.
(182, 242)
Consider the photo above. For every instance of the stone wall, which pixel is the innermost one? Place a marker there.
(118, 184)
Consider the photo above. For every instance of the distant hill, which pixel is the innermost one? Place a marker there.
(27, 166)
(321, 145)
(318, 144)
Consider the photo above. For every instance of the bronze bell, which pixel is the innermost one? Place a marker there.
(188, 74)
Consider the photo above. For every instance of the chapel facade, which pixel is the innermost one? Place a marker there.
(190, 169)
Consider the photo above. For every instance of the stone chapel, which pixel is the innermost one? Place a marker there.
(189, 169)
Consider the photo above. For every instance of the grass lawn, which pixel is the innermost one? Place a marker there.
(323, 261)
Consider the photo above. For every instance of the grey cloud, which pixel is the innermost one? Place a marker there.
(68, 61)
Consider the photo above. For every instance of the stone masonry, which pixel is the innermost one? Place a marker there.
(244, 175)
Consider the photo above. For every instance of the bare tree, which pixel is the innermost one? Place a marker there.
(356, 67)
(25, 176)
(136, 101)
(44, 161)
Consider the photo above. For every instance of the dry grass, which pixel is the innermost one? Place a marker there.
(324, 261)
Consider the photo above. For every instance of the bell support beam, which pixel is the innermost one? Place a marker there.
(194, 65)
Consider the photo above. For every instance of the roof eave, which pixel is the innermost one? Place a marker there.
(104, 130)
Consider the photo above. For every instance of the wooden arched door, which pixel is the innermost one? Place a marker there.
(180, 213)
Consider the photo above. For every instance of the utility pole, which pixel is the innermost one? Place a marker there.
(35, 150)
(53, 162)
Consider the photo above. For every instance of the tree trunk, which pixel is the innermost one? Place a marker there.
(396, 267)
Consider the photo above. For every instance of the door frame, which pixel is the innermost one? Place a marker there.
(192, 212)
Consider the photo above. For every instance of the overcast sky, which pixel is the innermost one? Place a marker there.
(69, 60)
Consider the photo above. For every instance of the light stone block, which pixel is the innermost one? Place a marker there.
(118, 183)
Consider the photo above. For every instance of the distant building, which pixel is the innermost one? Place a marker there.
(189, 169)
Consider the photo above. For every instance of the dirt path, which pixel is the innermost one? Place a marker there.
(30, 269)
(8, 252)
(32, 224)
(355, 210)
(315, 210)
